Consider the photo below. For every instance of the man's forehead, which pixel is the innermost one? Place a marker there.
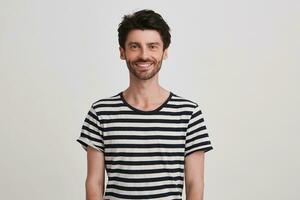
(144, 36)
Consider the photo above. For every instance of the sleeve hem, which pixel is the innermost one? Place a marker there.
(85, 144)
(206, 149)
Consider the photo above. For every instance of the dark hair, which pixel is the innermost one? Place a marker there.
(143, 20)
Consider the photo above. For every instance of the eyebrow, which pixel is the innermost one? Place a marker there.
(154, 43)
(130, 43)
(150, 43)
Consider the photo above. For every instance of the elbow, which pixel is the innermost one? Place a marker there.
(94, 189)
(195, 183)
(195, 190)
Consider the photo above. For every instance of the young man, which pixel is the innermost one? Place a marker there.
(148, 139)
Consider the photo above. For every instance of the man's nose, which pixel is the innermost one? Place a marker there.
(144, 54)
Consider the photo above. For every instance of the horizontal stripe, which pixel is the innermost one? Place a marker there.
(145, 184)
(198, 144)
(145, 171)
(147, 154)
(146, 180)
(196, 130)
(143, 137)
(128, 120)
(141, 196)
(155, 162)
(143, 129)
(135, 113)
(205, 149)
(144, 188)
(144, 146)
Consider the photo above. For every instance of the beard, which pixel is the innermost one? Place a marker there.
(144, 74)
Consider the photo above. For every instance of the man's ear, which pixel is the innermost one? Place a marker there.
(165, 56)
(122, 53)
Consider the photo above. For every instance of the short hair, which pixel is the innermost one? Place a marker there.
(144, 20)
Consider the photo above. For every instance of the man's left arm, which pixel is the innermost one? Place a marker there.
(194, 176)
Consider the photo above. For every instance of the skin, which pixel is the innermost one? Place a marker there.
(95, 180)
(144, 53)
(194, 176)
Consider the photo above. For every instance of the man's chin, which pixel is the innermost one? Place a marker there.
(144, 77)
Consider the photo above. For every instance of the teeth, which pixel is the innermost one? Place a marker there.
(143, 64)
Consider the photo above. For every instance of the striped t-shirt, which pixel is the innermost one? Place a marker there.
(145, 150)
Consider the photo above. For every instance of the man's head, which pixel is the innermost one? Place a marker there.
(144, 20)
(144, 38)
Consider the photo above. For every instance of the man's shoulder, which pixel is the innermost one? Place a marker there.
(107, 100)
(184, 100)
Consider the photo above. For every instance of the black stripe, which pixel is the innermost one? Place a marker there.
(196, 122)
(104, 100)
(176, 121)
(84, 127)
(197, 137)
(143, 137)
(198, 145)
(93, 115)
(89, 122)
(206, 149)
(145, 171)
(110, 105)
(148, 154)
(196, 114)
(144, 146)
(148, 188)
(175, 129)
(91, 138)
(141, 196)
(196, 130)
(124, 105)
(179, 106)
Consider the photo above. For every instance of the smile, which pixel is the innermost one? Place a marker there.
(143, 64)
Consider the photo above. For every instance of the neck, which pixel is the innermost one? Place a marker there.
(145, 93)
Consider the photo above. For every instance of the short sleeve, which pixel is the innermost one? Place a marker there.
(91, 132)
(197, 138)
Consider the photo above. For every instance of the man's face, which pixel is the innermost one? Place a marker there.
(143, 53)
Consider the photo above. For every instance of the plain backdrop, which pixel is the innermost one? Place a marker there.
(239, 59)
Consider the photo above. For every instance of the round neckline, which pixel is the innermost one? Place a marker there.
(146, 111)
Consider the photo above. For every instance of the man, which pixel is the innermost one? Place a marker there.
(148, 139)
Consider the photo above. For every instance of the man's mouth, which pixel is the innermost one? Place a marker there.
(143, 65)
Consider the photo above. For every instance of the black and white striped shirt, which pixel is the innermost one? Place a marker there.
(145, 150)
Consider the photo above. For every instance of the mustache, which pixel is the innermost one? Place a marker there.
(143, 60)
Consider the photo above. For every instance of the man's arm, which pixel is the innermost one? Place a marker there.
(194, 176)
(95, 180)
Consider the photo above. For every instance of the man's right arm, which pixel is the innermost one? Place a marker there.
(95, 180)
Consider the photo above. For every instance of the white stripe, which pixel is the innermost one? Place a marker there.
(148, 124)
(143, 150)
(157, 183)
(152, 158)
(144, 167)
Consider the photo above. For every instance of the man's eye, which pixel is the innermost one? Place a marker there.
(153, 47)
(133, 46)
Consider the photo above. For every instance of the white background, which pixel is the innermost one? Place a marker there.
(238, 59)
